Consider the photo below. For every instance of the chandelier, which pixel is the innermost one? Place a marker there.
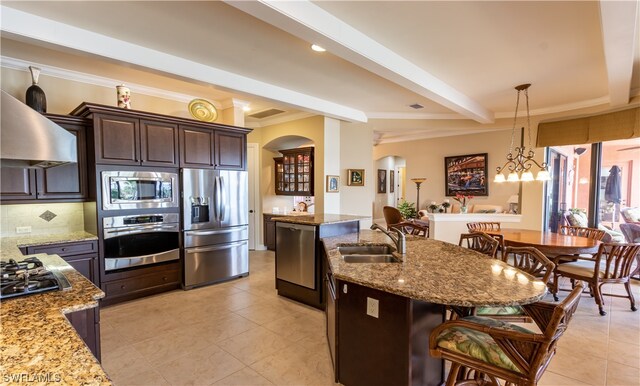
(519, 165)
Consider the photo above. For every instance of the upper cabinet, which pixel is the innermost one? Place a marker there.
(294, 172)
(230, 150)
(138, 138)
(125, 140)
(66, 182)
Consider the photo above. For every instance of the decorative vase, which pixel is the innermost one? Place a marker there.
(35, 97)
(124, 96)
(463, 209)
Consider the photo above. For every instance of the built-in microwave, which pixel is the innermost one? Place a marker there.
(139, 190)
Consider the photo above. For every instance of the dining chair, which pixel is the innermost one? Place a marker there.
(483, 350)
(483, 226)
(394, 219)
(611, 265)
(590, 233)
(531, 261)
(488, 226)
(480, 242)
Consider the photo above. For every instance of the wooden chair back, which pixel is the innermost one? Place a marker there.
(590, 233)
(392, 215)
(480, 242)
(552, 319)
(483, 226)
(618, 260)
(530, 260)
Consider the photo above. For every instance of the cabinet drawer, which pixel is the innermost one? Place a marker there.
(66, 249)
(133, 284)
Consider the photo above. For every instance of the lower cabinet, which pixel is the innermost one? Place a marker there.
(87, 324)
(390, 347)
(269, 226)
(81, 255)
(135, 283)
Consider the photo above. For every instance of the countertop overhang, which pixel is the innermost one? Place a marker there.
(319, 219)
(436, 272)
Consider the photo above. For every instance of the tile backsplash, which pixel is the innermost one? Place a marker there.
(42, 218)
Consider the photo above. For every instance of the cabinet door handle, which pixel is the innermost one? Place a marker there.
(122, 286)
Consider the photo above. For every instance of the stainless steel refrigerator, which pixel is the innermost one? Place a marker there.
(216, 226)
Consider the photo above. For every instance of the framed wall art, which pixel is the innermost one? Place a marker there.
(355, 177)
(382, 181)
(333, 184)
(466, 174)
(391, 181)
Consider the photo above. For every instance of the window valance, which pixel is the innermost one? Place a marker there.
(622, 124)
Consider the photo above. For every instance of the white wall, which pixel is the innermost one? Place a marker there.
(356, 152)
(332, 162)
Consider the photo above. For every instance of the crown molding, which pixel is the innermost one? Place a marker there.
(278, 120)
(429, 135)
(234, 102)
(96, 80)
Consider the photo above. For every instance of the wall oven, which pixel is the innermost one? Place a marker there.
(139, 190)
(131, 241)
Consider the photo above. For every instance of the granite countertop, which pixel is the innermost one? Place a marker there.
(436, 272)
(36, 339)
(320, 218)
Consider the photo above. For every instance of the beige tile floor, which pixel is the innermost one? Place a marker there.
(242, 333)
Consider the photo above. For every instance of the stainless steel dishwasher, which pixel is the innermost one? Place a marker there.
(295, 254)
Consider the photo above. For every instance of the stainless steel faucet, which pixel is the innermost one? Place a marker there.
(400, 240)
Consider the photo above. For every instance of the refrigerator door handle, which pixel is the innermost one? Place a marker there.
(215, 248)
(216, 198)
(223, 199)
(213, 232)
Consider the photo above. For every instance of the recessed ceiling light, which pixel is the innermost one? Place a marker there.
(246, 108)
(317, 48)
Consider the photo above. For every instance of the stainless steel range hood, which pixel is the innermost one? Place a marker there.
(29, 140)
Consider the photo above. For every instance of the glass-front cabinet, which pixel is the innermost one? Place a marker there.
(294, 172)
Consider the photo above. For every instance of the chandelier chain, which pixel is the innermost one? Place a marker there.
(515, 118)
(526, 94)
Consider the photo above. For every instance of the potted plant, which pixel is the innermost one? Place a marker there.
(407, 209)
(463, 199)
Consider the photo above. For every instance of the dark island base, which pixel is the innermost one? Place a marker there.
(392, 349)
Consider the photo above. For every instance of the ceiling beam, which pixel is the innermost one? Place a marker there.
(36, 28)
(620, 39)
(315, 25)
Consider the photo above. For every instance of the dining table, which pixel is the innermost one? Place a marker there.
(551, 244)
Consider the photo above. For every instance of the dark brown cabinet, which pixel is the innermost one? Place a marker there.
(158, 144)
(230, 150)
(81, 255)
(196, 147)
(294, 175)
(269, 229)
(125, 140)
(66, 182)
(390, 347)
(87, 325)
(17, 184)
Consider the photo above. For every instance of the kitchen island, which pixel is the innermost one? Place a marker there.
(299, 253)
(380, 315)
(37, 341)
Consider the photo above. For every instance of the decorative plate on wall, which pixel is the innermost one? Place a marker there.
(203, 110)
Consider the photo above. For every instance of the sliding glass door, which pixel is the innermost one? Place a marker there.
(595, 182)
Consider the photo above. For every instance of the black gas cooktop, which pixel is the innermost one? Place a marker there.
(26, 277)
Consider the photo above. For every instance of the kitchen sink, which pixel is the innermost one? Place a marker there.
(372, 253)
